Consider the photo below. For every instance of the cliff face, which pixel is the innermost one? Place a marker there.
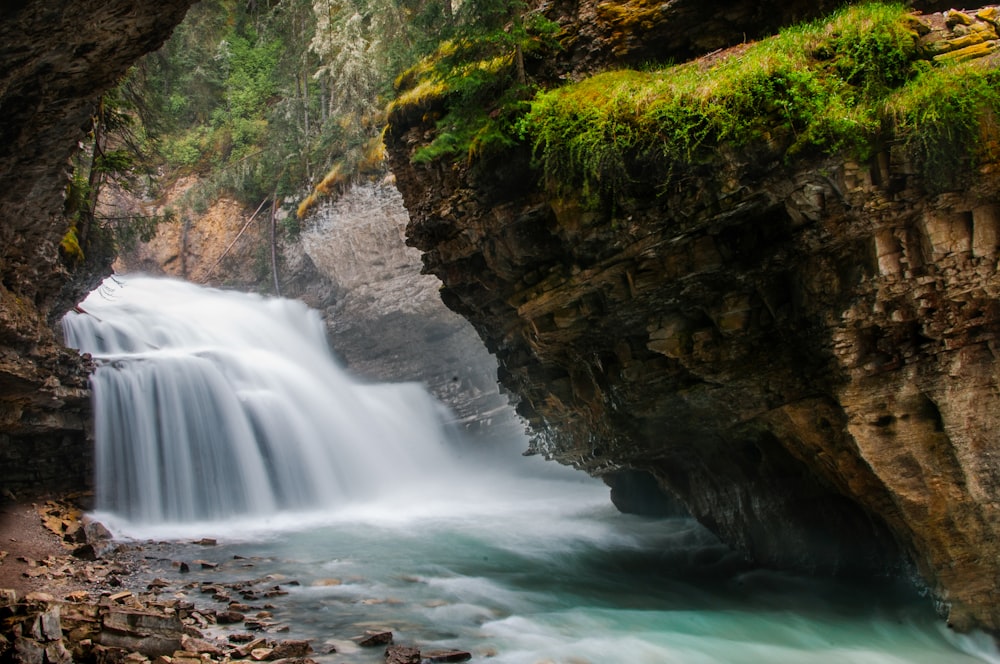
(386, 321)
(58, 57)
(803, 353)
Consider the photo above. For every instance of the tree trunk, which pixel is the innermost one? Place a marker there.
(274, 244)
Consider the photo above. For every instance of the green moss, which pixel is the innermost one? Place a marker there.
(70, 246)
(849, 84)
(947, 119)
(818, 87)
(472, 86)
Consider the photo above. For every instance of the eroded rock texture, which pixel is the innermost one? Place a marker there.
(58, 57)
(804, 355)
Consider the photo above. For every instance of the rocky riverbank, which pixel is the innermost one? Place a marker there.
(70, 593)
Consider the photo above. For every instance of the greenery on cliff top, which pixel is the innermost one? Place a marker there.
(843, 84)
(848, 83)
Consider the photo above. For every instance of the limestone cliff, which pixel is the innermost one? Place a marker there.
(58, 57)
(802, 350)
(386, 321)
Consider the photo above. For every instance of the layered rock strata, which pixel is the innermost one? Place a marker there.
(58, 57)
(805, 355)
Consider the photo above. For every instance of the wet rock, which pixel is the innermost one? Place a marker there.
(200, 646)
(240, 637)
(446, 656)
(8, 597)
(402, 655)
(766, 332)
(245, 650)
(229, 617)
(375, 638)
(291, 648)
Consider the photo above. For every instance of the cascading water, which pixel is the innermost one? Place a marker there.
(215, 405)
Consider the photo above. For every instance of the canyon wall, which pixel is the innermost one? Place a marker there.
(58, 57)
(803, 352)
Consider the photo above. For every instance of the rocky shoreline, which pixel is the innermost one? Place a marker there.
(100, 603)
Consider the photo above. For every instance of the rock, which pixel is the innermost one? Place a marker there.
(148, 633)
(402, 655)
(47, 626)
(240, 637)
(375, 638)
(200, 646)
(85, 552)
(95, 531)
(8, 597)
(261, 654)
(39, 597)
(119, 596)
(229, 617)
(801, 352)
(446, 656)
(290, 648)
(112, 655)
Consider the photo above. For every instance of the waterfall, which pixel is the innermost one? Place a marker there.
(212, 404)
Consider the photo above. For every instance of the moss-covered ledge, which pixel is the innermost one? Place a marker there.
(866, 77)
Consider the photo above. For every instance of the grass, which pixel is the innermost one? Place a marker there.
(849, 84)
(817, 87)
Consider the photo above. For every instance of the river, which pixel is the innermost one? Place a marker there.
(224, 415)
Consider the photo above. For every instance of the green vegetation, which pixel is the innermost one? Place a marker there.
(116, 158)
(948, 118)
(848, 83)
(481, 78)
(853, 83)
(283, 101)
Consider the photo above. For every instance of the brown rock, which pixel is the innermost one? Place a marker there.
(375, 638)
(290, 649)
(447, 656)
(402, 655)
(229, 617)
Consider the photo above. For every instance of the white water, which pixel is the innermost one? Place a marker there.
(224, 415)
(211, 405)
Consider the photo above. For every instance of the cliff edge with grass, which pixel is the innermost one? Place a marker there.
(761, 270)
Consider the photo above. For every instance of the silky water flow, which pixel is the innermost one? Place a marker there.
(225, 415)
